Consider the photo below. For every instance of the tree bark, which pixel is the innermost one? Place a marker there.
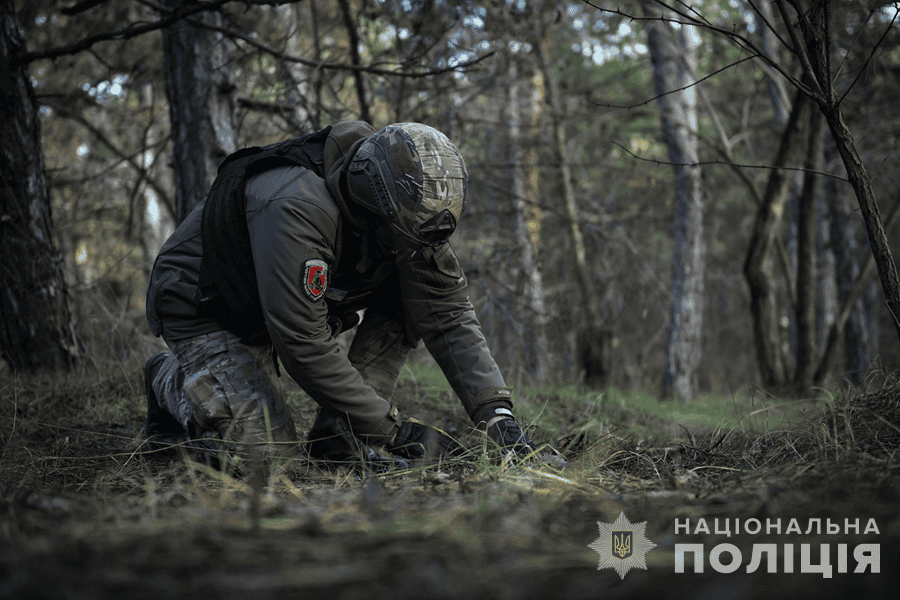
(353, 46)
(827, 302)
(853, 280)
(36, 329)
(775, 82)
(865, 195)
(674, 63)
(201, 106)
(813, 29)
(302, 118)
(807, 347)
(315, 115)
(594, 338)
(758, 268)
(537, 349)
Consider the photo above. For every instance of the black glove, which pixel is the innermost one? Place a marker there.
(340, 323)
(516, 444)
(332, 440)
(507, 434)
(497, 420)
(417, 441)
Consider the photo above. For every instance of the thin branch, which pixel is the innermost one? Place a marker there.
(863, 279)
(318, 64)
(103, 172)
(692, 84)
(871, 56)
(145, 170)
(741, 41)
(81, 7)
(771, 27)
(800, 49)
(353, 43)
(751, 187)
(726, 163)
(862, 29)
(829, 81)
(317, 73)
(131, 31)
(691, 9)
(187, 10)
(710, 109)
(271, 108)
(103, 139)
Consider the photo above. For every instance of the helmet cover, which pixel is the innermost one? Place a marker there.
(412, 176)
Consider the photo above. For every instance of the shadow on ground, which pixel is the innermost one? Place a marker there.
(86, 513)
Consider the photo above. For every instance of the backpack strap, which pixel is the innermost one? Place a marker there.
(227, 288)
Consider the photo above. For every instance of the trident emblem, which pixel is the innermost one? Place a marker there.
(621, 543)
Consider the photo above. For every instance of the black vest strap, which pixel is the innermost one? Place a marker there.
(228, 290)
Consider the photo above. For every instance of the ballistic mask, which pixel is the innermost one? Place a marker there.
(414, 178)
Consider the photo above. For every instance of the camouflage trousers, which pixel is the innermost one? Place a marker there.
(226, 395)
(378, 351)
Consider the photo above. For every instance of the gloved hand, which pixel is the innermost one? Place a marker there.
(497, 421)
(417, 441)
(332, 440)
(341, 323)
(507, 434)
(516, 444)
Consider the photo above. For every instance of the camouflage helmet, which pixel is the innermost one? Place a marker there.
(414, 178)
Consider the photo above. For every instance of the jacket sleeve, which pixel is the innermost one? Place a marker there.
(289, 227)
(436, 302)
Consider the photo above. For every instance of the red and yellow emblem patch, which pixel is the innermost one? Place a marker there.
(315, 279)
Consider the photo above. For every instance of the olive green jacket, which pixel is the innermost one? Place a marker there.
(296, 218)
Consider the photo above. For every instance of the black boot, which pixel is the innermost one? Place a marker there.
(161, 428)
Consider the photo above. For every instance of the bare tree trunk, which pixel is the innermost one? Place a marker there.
(853, 279)
(201, 106)
(36, 331)
(769, 42)
(157, 210)
(537, 350)
(865, 195)
(829, 273)
(533, 210)
(156, 227)
(811, 33)
(316, 111)
(826, 275)
(674, 62)
(758, 267)
(303, 118)
(807, 347)
(353, 42)
(595, 340)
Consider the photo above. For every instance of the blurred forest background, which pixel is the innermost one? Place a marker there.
(652, 202)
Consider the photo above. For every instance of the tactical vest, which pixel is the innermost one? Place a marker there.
(228, 290)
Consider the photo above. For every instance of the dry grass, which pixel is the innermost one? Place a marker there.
(83, 500)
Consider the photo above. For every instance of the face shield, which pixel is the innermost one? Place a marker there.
(412, 177)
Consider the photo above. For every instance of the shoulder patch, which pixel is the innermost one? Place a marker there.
(315, 279)
(445, 260)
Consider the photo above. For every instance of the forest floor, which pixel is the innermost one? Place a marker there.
(86, 511)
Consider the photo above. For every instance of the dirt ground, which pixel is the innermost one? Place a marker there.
(87, 512)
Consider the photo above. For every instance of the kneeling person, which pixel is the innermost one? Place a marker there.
(292, 243)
